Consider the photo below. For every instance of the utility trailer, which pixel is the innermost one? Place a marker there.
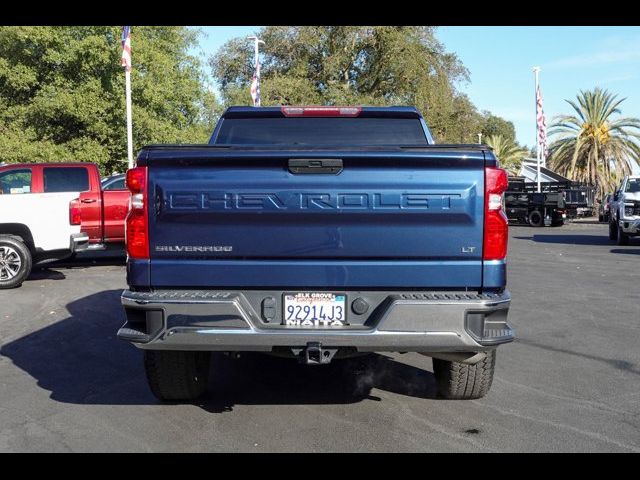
(526, 207)
(578, 197)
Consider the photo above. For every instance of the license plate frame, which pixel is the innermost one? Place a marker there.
(321, 301)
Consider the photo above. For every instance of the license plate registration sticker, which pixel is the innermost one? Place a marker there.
(314, 309)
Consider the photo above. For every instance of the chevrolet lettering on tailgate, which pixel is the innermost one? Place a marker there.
(221, 201)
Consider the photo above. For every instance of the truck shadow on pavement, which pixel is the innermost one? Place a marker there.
(258, 379)
(569, 239)
(630, 251)
(54, 270)
(112, 256)
(586, 222)
(45, 274)
(80, 361)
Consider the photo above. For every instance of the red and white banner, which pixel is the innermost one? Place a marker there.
(255, 86)
(542, 126)
(126, 48)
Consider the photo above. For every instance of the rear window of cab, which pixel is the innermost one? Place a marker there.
(66, 179)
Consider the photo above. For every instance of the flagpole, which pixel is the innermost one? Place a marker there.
(536, 71)
(125, 61)
(127, 76)
(256, 54)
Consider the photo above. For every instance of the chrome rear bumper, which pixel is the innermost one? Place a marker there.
(236, 321)
(79, 242)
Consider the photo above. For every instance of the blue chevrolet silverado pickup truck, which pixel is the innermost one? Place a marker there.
(319, 233)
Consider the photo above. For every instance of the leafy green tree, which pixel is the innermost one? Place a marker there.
(509, 153)
(593, 145)
(493, 125)
(367, 65)
(62, 93)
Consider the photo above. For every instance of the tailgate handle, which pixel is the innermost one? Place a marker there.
(315, 165)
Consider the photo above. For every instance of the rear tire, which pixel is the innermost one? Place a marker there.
(622, 238)
(177, 375)
(15, 261)
(613, 231)
(536, 219)
(458, 381)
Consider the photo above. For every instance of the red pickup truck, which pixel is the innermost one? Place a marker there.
(103, 212)
(101, 207)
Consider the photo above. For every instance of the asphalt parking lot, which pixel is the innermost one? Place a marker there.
(571, 381)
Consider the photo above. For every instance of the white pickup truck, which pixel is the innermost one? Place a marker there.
(37, 222)
(624, 212)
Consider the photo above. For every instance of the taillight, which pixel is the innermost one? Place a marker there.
(75, 213)
(321, 111)
(137, 224)
(495, 221)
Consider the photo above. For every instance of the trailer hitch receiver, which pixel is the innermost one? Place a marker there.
(314, 354)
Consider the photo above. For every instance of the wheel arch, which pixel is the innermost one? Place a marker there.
(21, 231)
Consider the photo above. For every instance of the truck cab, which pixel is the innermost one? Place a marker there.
(624, 215)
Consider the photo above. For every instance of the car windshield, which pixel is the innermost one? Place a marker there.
(633, 185)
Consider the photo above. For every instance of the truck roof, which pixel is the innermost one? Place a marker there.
(253, 112)
(46, 164)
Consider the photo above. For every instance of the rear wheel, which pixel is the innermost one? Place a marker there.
(459, 381)
(177, 375)
(15, 262)
(535, 219)
(557, 222)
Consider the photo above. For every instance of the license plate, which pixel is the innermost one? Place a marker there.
(314, 309)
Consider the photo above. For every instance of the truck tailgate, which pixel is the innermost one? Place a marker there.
(388, 219)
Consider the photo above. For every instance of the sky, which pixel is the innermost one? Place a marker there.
(500, 62)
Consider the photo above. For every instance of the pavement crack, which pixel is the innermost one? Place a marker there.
(564, 426)
(581, 401)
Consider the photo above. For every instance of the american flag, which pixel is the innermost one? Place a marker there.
(126, 48)
(255, 86)
(542, 126)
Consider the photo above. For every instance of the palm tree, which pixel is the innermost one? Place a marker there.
(591, 146)
(509, 153)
